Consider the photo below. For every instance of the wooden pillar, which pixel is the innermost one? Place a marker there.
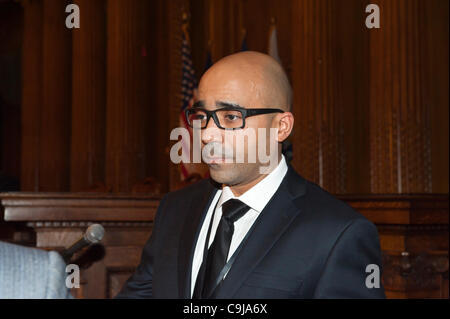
(129, 101)
(329, 111)
(56, 98)
(399, 111)
(31, 94)
(88, 96)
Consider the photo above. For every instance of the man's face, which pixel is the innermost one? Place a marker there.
(244, 89)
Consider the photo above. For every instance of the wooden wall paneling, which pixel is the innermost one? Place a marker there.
(434, 26)
(200, 34)
(281, 11)
(223, 22)
(31, 94)
(118, 272)
(256, 20)
(371, 105)
(218, 23)
(128, 95)
(54, 171)
(400, 119)
(88, 97)
(150, 52)
(319, 105)
(352, 81)
(106, 277)
(159, 100)
(224, 27)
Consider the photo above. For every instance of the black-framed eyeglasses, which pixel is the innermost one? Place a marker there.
(227, 118)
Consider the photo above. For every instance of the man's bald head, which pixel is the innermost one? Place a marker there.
(264, 76)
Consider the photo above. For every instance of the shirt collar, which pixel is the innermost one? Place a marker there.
(259, 195)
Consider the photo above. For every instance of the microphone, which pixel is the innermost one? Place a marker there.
(94, 233)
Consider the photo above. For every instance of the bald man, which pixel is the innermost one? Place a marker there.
(255, 229)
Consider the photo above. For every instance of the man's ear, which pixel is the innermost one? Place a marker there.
(285, 125)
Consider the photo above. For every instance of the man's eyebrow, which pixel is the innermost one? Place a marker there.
(228, 104)
(199, 104)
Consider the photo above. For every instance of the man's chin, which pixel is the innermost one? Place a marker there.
(218, 170)
(220, 173)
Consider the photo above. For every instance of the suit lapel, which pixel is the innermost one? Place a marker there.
(267, 229)
(192, 225)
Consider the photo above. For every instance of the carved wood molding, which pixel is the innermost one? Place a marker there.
(54, 208)
(83, 224)
(417, 209)
(410, 228)
(409, 271)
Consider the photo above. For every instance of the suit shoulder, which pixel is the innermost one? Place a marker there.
(324, 205)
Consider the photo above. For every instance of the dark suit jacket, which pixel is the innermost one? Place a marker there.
(305, 244)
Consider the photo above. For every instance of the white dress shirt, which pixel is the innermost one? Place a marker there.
(256, 198)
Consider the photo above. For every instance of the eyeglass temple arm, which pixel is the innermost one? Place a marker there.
(251, 112)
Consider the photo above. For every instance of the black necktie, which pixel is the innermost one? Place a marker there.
(216, 259)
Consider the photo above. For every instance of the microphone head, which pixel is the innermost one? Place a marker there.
(94, 233)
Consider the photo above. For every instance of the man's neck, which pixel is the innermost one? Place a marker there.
(240, 189)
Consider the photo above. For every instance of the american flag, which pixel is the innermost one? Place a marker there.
(188, 92)
(188, 81)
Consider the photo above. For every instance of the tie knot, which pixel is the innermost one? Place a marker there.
(233, 209)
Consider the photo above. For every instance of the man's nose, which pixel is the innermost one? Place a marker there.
(211, 133)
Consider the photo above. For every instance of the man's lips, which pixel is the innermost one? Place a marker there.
(215, 160)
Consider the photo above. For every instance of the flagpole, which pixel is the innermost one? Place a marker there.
(209, 45)
(271, 28)
(244, 46)
(184, 27)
